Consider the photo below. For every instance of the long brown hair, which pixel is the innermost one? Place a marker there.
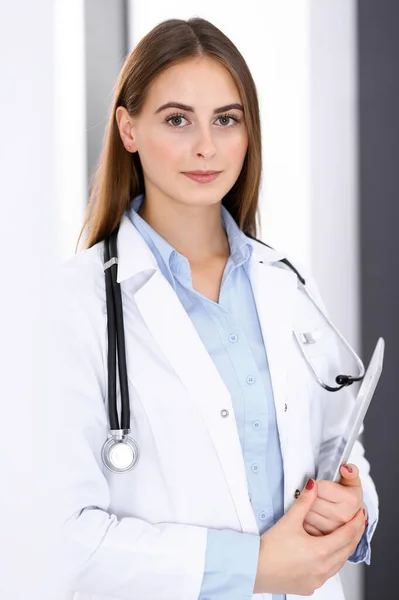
(119, 175)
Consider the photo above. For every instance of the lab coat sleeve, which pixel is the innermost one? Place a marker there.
(230, 566)
(103, 554)
(363, 550)
(335, 419)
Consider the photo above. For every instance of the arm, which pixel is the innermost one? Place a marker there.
(363, 550)
(230, 565)
(106, 555)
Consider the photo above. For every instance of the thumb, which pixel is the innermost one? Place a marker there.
(304, 502)
(350, 476)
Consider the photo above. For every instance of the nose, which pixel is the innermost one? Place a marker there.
(204, 144)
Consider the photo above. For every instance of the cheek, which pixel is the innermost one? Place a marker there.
(163, 153)
(236, 150)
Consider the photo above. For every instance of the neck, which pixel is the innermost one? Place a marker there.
(196, 232)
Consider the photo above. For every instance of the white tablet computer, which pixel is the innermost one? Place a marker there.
(344, 444)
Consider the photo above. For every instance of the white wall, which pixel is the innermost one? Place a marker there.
(302, 57)
(30, 224)
(333, 181)
(70, 120)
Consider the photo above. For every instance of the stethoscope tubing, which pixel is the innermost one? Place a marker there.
(116, 339)
(120, 338)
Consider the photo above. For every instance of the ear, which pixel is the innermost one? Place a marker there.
(126, 128)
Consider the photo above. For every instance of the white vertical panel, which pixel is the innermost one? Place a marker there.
(70, 120)
(29, 232)
(334, 187)
(334, 159)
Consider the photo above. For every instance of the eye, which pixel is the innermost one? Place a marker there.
(175, 120)
(227, 118)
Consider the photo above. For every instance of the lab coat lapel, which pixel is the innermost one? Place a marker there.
(176, 336)
(179, 341)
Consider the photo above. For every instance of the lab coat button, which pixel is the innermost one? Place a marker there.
(224, 413)
(297, 494)
(285, 408)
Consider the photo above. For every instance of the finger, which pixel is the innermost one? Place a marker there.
(345, 534)
(349, 549)
(321, 523)
(312, 530)
(329, 510)
(339, 559)
(343, 511)
(331, 491)
(350, 476)
(298, 511)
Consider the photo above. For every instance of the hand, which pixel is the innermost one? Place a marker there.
(337, 503)
(293, 562)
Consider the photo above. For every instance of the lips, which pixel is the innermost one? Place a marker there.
(200, 172)
(202, 176)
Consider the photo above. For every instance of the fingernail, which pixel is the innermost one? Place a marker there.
(310, 484)
(349, 469)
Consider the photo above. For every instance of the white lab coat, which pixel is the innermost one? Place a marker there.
(142, 535)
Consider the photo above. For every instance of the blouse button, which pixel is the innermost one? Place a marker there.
(250, 379)
(233, 338)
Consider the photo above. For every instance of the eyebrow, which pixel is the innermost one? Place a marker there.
(187, 108)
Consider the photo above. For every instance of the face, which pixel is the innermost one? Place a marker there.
(209, 133)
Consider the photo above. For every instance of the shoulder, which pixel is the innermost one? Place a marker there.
(80, 278)
(279, 258)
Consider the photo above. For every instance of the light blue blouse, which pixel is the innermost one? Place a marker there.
(233, 338)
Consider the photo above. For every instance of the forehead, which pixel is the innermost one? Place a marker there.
(198, 82)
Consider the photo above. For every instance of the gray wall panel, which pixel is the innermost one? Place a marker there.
(378, 45)
(106, 48)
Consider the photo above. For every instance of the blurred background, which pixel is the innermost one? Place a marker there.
(327, 75)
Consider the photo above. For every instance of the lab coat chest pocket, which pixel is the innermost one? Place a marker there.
(311, 330)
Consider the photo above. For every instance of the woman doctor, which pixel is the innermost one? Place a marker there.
(230, 423)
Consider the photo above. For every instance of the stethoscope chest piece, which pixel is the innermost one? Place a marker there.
(120, 455)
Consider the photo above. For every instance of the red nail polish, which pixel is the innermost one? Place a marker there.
(310, 484)
(349, 469)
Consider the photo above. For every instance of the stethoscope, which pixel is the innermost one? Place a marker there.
(120, 453)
